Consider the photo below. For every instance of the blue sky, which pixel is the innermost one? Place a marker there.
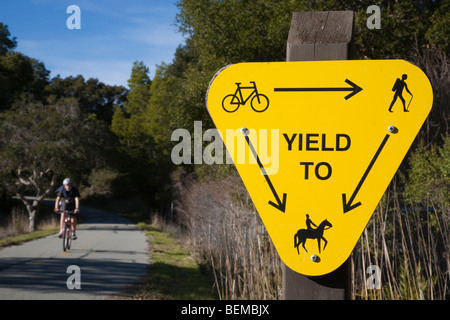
(113, 34)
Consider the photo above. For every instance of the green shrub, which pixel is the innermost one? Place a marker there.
(428, 181)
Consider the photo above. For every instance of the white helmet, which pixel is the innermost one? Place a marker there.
(67, 181)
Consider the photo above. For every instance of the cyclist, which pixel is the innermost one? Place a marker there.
(71, 203)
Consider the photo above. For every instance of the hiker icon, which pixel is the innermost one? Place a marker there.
(398, 89)
(311, 233)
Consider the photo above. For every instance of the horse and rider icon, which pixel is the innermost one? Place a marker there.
(311, 233)
(398, 89)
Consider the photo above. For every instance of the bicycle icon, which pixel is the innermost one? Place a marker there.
(232, 102)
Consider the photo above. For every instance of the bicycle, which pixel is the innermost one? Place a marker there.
(67, 229)
(232, 102)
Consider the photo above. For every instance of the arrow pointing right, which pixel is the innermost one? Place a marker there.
(348, 206)
(353, 88)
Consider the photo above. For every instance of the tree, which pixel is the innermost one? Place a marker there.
(21, 75)
(219, 33)
(41, 143)
(94, 97)
(139, 84)
(233, 31)
(237, 30)
(6, 42)
(128, 122)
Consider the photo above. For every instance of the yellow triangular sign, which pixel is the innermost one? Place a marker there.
(316, 145)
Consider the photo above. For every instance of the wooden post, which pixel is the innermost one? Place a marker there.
(317, 36)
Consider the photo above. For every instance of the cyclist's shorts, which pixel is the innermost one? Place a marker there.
(67, 206)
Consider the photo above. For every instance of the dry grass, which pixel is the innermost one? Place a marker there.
(16, 224)
(229, 237)
(410, 245)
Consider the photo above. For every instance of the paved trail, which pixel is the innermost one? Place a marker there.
(110, 252)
